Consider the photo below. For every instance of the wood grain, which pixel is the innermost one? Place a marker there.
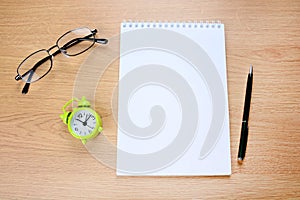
(40, 160)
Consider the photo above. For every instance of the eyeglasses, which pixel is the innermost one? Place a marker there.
(38, 64)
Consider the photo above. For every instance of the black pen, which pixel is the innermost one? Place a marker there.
(244, 131)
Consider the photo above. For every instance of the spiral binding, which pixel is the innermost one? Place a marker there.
(171, 24)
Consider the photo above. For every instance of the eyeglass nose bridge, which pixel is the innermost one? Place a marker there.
(52, 48)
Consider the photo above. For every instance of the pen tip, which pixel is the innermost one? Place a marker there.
(240, 161)
(251, 69)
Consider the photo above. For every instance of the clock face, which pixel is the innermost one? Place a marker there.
(83, 123)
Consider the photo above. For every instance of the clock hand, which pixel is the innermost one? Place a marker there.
(88, 118)
(79, 120)
(85, 122)
(90, 127)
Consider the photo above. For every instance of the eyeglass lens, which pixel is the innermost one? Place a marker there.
(28, 72)
(76, 41)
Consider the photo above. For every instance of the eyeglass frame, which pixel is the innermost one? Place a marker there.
(51, 56)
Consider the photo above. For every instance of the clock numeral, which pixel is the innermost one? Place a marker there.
(76, 129)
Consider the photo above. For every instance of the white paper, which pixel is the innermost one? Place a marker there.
(154, 50)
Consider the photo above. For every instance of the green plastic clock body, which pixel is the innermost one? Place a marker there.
(83, 122)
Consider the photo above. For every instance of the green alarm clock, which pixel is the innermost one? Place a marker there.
(83, 122)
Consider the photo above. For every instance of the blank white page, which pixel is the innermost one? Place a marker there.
(173, 103)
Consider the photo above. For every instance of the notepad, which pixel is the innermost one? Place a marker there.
(173, 117)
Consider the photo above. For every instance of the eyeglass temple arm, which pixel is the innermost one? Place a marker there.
(86, 38)
(25, 88)
(101, 40)
(27, 84)
(97, 40)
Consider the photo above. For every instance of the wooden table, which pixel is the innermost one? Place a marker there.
(40, 160)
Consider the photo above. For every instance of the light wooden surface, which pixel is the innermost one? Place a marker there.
(40, 160)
